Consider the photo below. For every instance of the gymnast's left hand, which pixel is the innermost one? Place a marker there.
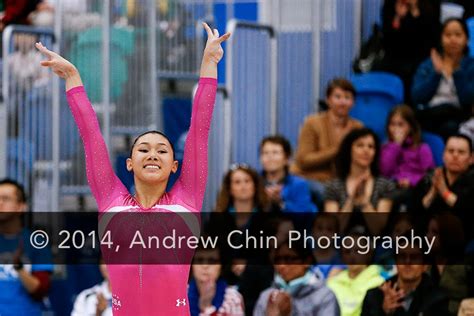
(213, 50)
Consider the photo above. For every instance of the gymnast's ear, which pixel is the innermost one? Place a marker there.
(174, 168)
(129, 164)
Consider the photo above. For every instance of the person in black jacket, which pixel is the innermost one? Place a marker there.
(410, 29)
(451, 187)
(409, 293)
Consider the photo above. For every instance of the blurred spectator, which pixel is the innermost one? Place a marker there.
(296, 290)
(404, 158)
(43, 15)
(321, 135)
(403, 223)
(351, 285)
(16, 12)
(359, 190)
(287, 192)
(467, 128)
(208, 293)
(410, 30)
(24, 63)
(242, 195)
(74, 15)
(328, 259)
(450, 187)
(468, 6)
(443, 86)
(243, 205)
(467, 307)
(26, 282)
(96, 300)
(410, 293)
(449, 270)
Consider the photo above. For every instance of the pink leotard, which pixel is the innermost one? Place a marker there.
(148, 289)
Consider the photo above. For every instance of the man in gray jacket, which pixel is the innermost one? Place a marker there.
(296, 290)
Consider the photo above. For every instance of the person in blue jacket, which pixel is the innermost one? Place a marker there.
(443, 86)
(287, 192)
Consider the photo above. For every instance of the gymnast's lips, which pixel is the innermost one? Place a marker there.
(150, 166)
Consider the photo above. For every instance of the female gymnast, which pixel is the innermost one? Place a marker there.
(147, 289)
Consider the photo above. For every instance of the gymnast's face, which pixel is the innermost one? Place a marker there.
(152, 159)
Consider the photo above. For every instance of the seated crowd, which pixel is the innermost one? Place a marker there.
(346, 181)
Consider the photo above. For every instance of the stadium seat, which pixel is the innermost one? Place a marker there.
(437, 146)
(376, 94)
(470, 26)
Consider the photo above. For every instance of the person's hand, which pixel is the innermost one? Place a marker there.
(60, 66)
(101, 304)
(238, 267)
(213, 50)
(357, 189)
(404, 183)
(392, 298)
(439, 182)
(467, 307)
(399, 136)
(207, 291)
(274, 193)
(279, 304)
(414, 8)
(437, 61)
(441, 66)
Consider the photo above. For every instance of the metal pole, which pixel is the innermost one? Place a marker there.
(316, 7)
(155, 97)
(7, 34)
(357, 26)
(56, 111)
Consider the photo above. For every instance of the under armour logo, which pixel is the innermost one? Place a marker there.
(181, 302)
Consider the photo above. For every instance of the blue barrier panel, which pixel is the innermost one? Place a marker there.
(337, 43)
(250, 89)
(295, 91)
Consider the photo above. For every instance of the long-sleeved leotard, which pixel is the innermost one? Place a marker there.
(140, 286)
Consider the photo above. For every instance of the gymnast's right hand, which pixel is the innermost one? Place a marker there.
(60, 66)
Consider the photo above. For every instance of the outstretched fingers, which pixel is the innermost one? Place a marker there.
(211, 34)
(223, 37)
(44, 50)
(208, 30)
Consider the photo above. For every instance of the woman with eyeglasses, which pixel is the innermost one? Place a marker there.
(139, 285)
